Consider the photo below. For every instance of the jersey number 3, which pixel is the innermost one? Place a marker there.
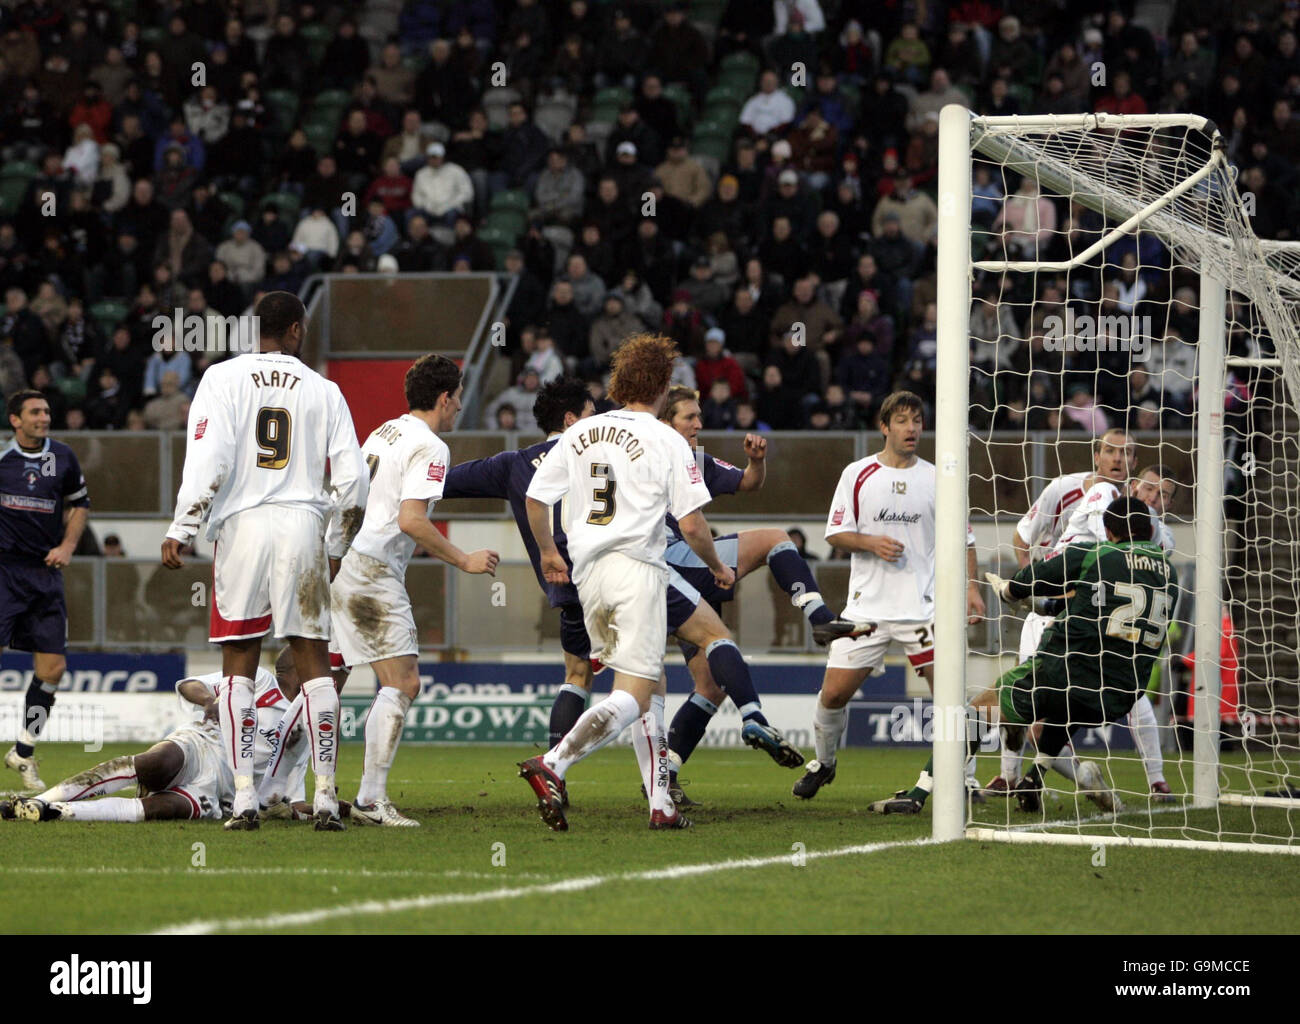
(274, 429)
(604, 515)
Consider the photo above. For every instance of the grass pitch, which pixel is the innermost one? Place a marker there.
(758, 860)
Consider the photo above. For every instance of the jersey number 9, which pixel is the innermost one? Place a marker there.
(273, 433)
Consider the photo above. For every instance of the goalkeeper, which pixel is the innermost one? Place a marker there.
(1095, 659)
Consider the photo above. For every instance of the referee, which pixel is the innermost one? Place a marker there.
(43, 509)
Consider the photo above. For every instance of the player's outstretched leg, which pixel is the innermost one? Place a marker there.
(1092, 784)
(732, 674)
(596, 726)
(107, 777)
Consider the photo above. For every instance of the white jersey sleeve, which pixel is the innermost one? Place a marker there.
(349, 480)
(209, 457)
(688, 491)
(550, 482)
(1087, 524)
(1041, 525)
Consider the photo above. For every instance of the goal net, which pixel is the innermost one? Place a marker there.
(1105, 310)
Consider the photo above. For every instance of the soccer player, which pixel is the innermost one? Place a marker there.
(1094, 661)
(744, 552)
(183, 777)
(559, 405)
(621, 473)
(1155, 487)
(371, 611)
(261, 428)
(883, 512)
(1038, 534)
(44, 506)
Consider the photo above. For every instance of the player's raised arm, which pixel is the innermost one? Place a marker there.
(349, 479)
(209, 456)
(756, 468)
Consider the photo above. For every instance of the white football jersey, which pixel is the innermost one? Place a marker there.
(261, 428)
(408, 462)
(1041, 526)
(620, 473)
(872, 498)
(1087, 526)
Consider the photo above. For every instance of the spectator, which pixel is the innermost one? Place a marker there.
(520, 397)
(566, 324)
(657, 110)
(717, 363)
(271, 233)
(588, 289)
(441, 190)
(747, 420)
(831, 258)
(559, 191)
(318, 237)
(815, 145)
(507, 419)
(542, 357)
(819, 326)
(783, 252)
(841, 413)
(108, 408)
(24, 330)
(1083, 412)
(394, 82)
(800, 370)
(1027, 220)
(420, 253)
(610, 329)
(779, 407)
(682, 175)
(684, 324)
(718, 411)
(170, 410)
(915, 212)
(356, 151)
(639, 301)
(222, 293)
(705, 294)
(769, 109)
(598, 253)
(679, 51)
(346, 57)
(745, 328)
(243, 258)
(907, 56)
(623, 53)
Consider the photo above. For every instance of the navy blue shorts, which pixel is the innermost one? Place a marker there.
(683, 599)
(33, 614)
(687, 564)
(573, 631)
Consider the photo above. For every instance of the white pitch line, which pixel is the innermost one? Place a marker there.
(214, 872)
(376, 907)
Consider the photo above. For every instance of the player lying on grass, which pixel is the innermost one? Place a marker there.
(621, 472)
(186, 775)
(1155, 487)
(1094, 660)
(371, 615)
(1038, 535)
(560, 404)
(883, 512)
(744, 552)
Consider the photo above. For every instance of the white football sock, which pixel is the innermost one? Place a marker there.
(238, 716)
(109, 777)
(1146, 733)
(828, 727)
(598, 725)
(112, 809)
(1066, 762)
(275, 776)
(652, 758)
(383, 734)
(1009, 763)
(322, 709)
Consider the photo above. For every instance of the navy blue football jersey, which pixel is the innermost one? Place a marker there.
(508, 475)
(35, 487)
(719, 477)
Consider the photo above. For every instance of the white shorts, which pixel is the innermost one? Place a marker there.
(624, 605)
(205, 779)
(1031, 634)
(269, 567)
(868, 652)
(370, 612)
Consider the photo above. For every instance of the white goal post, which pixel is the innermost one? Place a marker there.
(1167, 176)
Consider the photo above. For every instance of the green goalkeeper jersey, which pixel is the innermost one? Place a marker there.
(1113, 628)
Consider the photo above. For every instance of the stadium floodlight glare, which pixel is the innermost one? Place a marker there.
(1158, 235)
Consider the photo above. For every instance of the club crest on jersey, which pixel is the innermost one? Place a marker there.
(694, 473)
(437, 471)
(200, 429)
(837, 517)
(31, 476)
(900, 487)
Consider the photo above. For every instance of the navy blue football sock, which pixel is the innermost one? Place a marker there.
(688, 726)
(569, 705)
(732, 674)
(793, 576)
(36, 713)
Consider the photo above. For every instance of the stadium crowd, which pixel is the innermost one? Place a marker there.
(755, 180)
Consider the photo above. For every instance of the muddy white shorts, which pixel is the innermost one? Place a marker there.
(624, 605)
(269, 570)
(205, 779)
(868, 652)
(370, 612)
